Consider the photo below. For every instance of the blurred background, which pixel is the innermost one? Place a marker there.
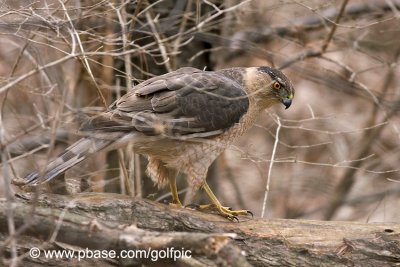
(336, 149)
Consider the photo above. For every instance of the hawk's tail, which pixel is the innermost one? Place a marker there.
(67, 159)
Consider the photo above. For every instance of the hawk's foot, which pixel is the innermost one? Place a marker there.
(226, 212)
(223, 211)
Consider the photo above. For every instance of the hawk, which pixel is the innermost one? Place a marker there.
(181, 121)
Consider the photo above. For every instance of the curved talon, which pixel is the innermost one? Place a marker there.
(229, 213)
(226, 212)
(251, 213)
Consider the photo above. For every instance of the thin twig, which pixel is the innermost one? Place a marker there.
(138, 174)
(160, 43)
(123, 173)
(334, 26)
(84, 57)
(10, 201)
(271, 163)
(347, 181)
(182, 27)
(121, 14)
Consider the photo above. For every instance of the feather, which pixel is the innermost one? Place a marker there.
(69, 158)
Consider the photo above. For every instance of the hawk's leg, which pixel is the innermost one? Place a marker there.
(224, 211)
(174, 191)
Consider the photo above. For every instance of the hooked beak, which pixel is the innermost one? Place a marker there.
(287, 102)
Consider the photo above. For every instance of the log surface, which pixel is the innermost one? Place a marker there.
(111, 221)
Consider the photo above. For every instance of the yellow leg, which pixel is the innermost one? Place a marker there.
(224, 211)
(174, 191)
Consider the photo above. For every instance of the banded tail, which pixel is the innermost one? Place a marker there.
(74, 154)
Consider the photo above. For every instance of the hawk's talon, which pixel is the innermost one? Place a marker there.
(226, 212)
(251, 213)
(205, 207)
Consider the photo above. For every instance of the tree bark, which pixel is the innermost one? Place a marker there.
(100, 221)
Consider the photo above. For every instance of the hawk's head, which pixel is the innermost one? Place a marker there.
(270, 86)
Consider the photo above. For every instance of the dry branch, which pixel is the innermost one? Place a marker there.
(111, 221)
(243, 41)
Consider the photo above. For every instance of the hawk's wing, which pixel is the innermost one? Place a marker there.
(186, 101)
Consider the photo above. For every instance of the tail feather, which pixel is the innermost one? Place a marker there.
(67, 159)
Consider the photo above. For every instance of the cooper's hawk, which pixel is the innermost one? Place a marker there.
(182, 121)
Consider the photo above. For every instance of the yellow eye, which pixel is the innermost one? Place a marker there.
(277, 85)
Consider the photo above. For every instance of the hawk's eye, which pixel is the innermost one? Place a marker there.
(277, 85)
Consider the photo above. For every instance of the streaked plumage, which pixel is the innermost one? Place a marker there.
(181, 120)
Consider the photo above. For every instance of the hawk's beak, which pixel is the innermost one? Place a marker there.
(287, 102)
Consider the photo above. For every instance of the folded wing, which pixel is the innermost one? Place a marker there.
(187, 101)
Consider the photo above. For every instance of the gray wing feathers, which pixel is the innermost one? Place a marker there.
(69, 158)
(151, 88)
(169, 80)
(164, 102)
(183, 102)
